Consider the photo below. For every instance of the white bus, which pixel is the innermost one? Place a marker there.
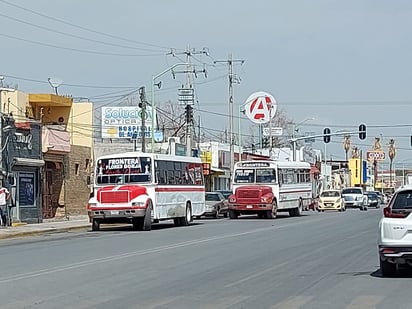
(267, 187)
(144, 188)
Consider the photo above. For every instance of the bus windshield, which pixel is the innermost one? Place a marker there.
(260, 175)
(123, 170)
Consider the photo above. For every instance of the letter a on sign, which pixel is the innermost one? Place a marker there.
(260, 107)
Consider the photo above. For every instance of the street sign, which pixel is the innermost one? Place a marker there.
(375, 155)
(275, 132)
(260, 107)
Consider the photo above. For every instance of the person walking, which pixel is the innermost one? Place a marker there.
(4, 197)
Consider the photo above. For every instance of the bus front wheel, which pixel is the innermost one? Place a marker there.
(233, 214)
(271, 214)
(95, 225)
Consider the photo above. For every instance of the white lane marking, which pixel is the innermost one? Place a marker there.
(81, 264)
(295, 302)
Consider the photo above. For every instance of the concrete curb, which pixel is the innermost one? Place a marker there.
(12, 232)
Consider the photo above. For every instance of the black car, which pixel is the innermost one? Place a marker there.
(373, 199)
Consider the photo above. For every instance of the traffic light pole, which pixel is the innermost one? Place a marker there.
(296, 139)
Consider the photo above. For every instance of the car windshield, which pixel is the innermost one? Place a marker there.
(351, 191)
(212, 197)
(402, 200)
(330, 194)
(372, 195)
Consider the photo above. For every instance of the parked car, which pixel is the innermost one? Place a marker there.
(331, 200)
(215, 201)
(225, 210)
(372, 199)
(354, 197)
(394, 240)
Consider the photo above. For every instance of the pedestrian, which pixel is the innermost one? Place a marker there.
(4, 197)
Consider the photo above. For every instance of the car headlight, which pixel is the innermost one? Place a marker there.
(232, 199)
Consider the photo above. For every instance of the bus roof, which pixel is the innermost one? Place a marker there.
(133, 154)
(268, 163)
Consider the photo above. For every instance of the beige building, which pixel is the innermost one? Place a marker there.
(67, 147)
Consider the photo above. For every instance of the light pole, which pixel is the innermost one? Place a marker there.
(296, 127)
(2, 89)
(239, 129)
(154, 77)
(392, 153)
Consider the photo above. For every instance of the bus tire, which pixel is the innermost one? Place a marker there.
(147, 221)
(233, 214)
(188, 218)
(271, 214)
(298, 211)
(95, 225)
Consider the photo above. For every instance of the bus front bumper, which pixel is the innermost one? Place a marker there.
(123, 213)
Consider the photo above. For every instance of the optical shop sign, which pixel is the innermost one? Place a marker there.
(126, 122)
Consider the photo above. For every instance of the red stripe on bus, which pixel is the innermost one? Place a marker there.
(181, 189)
(297, 191)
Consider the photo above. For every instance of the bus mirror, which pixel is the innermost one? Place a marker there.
(88, 180)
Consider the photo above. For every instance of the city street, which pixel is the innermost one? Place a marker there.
(319, 260)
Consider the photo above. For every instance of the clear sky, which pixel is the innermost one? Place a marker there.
(341, 62)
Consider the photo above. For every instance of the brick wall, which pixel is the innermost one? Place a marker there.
(78, 167)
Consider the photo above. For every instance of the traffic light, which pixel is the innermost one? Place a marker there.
(189, 114)
(265, 142)
(362, 131)
(326, 135)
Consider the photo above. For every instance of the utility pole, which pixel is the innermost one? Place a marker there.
(187, 96)
(231, 78)
(142, 105)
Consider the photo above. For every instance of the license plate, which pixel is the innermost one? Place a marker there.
(114, 212)
(249, 206)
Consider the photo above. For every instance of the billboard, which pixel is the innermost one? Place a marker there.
(126, 122)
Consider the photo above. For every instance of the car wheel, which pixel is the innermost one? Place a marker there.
(387, 269)
(225, 215)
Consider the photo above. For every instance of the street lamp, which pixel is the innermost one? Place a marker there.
(295, 128)
(154, 77)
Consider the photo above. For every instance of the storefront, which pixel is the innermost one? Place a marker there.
(22, 166)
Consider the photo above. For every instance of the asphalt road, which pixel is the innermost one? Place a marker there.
(319, 260)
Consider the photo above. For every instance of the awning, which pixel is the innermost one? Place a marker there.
(27, 162)
(216, 170)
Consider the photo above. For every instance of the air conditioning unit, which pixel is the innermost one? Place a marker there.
(173, 139)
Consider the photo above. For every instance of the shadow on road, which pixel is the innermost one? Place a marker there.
(403, 272)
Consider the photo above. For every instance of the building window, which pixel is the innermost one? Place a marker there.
(76, 169)
(87, 164)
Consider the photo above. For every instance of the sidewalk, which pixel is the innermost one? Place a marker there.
(21, 230)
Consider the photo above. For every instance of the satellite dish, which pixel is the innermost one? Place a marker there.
(55, 83)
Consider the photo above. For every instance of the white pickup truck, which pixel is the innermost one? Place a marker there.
(354, 197)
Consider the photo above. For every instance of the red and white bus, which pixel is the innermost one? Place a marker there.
(268, 187)
(144, 188)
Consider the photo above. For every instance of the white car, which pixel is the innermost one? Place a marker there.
(395, 232)
(331, 200)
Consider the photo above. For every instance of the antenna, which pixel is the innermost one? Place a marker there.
(55, 83)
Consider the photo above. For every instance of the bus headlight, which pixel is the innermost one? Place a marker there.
(266, 199)
(139, 204)
(91, 205)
